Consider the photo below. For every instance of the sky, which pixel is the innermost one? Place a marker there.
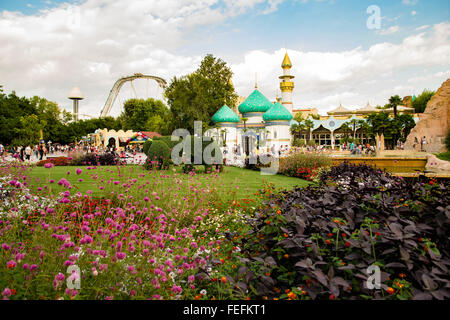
(347, 52)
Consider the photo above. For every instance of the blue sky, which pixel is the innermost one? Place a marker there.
(336, 58)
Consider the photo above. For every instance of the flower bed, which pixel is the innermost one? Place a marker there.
(318, 242)
(58, 161)
(303, 165)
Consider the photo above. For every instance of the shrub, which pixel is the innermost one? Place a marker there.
(146, 146)
(318, 242)
(86, 159)
(158, 155)
(303, 165)
(107, 159)
(59, 161)
(299, 142)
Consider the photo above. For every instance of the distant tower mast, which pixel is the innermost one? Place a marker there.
(75, 95)
(286, 85)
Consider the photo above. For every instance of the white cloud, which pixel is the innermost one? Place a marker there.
(422, 27)
(410, 2)
(389, 30)
(413, 13)
(324, 79)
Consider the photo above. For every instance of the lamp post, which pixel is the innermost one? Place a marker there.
(75, 95)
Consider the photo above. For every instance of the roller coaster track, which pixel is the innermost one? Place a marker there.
(119, 83)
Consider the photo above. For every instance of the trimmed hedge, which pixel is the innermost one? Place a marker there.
(146, 146)
(158, 155)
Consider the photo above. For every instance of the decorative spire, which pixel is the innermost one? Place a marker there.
(286, 61)
(256, 80)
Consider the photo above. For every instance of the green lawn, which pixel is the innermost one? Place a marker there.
(444, 156)
(232, 183)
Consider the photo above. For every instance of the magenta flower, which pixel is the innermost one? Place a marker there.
(49, 165)
(176, 289)
(11, 264)
(6, 292)
(120, 255)
(78, 171)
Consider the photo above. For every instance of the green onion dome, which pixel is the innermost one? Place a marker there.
(225, 114)
(277, 112)
(255, 102)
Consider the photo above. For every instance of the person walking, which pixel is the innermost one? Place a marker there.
(22, 153)
(28, 152)
(423, 141)
(41, 151)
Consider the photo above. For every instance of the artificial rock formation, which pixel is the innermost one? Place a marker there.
(433, 124)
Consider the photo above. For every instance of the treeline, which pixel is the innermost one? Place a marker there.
(196, 96)
(22, 119)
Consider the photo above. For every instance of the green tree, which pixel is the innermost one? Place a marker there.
(309, 124)
(391, 128)
(420, 103)
(28, 133)
(395, 101)
(145, 115)
(197, 96)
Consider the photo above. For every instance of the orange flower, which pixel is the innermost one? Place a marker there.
(402, 275)
(390, 290)
(292, 295)
(286, 256)
(279, 212)
(223, 279)
(285, 235)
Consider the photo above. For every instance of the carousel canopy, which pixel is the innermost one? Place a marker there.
(142, 136)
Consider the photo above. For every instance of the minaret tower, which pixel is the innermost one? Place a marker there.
(286, 84)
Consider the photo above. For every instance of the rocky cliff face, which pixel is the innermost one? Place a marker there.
(433, 124)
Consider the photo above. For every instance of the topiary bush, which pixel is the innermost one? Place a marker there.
(218, 165)
(318, 242)
(146, 146)
(158, 156)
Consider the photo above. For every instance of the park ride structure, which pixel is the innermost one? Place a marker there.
(113, 94)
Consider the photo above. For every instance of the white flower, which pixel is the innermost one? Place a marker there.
(203, 292)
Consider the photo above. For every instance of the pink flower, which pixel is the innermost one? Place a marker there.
(78, 171)
(11, 264)
(176, 289)
(120, 255)
(49, 165)
(6, 292)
